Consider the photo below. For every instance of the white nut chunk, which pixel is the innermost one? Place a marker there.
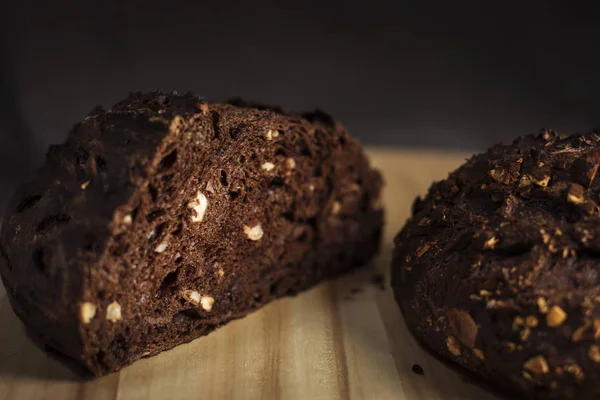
(207, 303)
(198, 207)
(113, 312)
(210, 188)
(192, 296)
(290, 163)
(162, 246)
(253, 232)
(268, 166)
(271, 134)
(87, 312)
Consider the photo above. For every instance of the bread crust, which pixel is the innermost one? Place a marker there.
(497, 269)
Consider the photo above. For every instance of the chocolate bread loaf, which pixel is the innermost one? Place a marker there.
(498, 269)
(165, 217)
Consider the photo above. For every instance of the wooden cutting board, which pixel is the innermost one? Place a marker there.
(341, 340)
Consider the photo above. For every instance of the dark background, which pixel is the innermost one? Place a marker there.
(445, 74)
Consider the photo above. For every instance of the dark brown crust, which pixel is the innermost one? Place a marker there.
(107, 223)
(497, 270)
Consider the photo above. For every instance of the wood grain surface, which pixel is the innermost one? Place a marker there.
(341, 340)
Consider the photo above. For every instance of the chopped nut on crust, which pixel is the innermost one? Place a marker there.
(531, 321)
(579, 333)
(541, 181)
(576, 194)
(576, 371)
(556, 316)
(453, 346)
(423, 249)
(127, 220)
(425, 221)
(510, 346)
(596, 329)
(518, 322)
(463, 326)
(501, 304)
(490, 243)
(542, 305)
(162, 120)
(479, 354)
(524, 334)
(498, 174)
(524, 182)
(594, 353)
(537, 365)
(545, 236)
